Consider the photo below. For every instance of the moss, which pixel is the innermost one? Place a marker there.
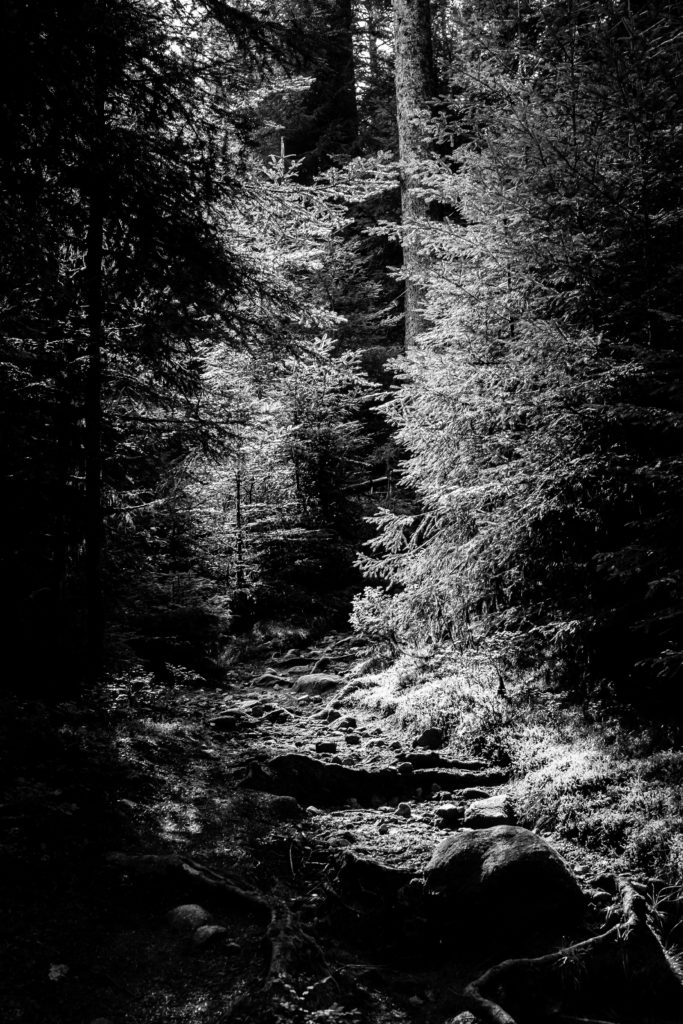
(606, 795)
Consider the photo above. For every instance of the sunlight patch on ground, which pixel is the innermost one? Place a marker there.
(178, 820)
(598, 793)
(420, 695)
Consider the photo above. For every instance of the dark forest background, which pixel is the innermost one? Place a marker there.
(341, 443)
(309, 313)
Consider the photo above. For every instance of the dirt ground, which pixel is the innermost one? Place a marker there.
(170, 773)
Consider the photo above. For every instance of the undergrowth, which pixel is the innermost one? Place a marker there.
(608, 796)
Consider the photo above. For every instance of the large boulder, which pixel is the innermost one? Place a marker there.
(504, 877)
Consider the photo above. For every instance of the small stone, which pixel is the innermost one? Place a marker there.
(495, 810)
(405, 768)
(432, 739)
(268, 679)
(188, 917)
(292, 658)
(227, 722)
(347, 722)
(327, 715)
(404, 810)
(449, 816)
(473, 794)
(465, 1018)
(383, 829)
(208, 933)
(285, 807)
(353, 739)
(395, 745)
(279, 716)
(312, 811)
(326, 747)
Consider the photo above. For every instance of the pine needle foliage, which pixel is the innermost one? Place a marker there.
(541, 409)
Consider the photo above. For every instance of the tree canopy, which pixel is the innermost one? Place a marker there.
(283, 280)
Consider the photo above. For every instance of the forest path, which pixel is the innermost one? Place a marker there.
(260, 857)
(291, 830)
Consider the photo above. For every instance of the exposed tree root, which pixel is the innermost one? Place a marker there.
(626, 963)
(289, 945)
(292, 952)
(187, 877)
(313, 781)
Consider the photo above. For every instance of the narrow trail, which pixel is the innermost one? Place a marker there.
(294, 858)
(329, 829)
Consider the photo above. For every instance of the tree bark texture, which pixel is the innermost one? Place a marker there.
(94, 291)
(414, 88)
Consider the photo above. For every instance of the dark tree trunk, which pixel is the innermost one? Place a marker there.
(239, 530)
(414, 89)
(343, 69)
(330, 121)
(372, 23)
(94, 528)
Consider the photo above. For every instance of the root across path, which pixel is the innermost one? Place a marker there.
(313, 864)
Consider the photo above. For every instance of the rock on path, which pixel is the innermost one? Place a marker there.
(507, 875)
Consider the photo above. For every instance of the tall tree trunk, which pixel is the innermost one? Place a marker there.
(330, 113)
(239, 530)
(94, 527)
(372, 26)
(343, 68)
(414, 88)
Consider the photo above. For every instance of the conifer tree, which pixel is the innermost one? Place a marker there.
(414, 74)
(122, 166)
(540, 414)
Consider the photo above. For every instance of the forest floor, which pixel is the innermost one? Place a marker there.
(152, 799)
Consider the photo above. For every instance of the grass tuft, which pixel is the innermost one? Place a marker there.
(607, 797)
